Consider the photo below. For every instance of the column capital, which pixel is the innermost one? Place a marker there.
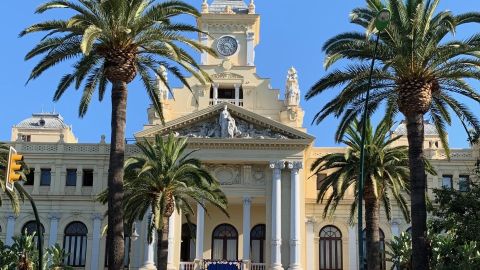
(311, 220)
(52, 216)
(295, 165)
(10, 216)
(247, 200)
(97, 216)
(215, 85)
(277, 164)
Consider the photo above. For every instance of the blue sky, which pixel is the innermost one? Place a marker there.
(292, 33)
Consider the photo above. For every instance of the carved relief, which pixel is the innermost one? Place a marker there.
(225, 126)
(226, 174)
(258, 175)
(226, 76)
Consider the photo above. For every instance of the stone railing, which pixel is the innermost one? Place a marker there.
(258, 266)
(455, 154)
(70, 148)
(186, 266)
(231, 101)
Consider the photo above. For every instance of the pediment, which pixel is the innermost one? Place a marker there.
(229, 123)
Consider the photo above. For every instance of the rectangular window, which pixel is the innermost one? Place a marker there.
(26, 138)
(30, 178)
(320, 178)
(45, 177)
(71, 180)
(447, 181)
(87, 177)
(464, 183)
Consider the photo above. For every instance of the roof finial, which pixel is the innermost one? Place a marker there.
(204, 6)
(251, 7)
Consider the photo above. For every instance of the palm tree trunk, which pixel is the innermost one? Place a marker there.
(115, 177)
(371, 229)
(162, 246)
(418, 186)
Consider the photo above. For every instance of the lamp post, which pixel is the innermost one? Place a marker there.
(381, 22)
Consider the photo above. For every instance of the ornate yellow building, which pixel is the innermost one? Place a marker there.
(249, 137)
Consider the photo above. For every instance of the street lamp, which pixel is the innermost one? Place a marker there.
(381, 22)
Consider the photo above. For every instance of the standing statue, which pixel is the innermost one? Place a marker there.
(162, 88)
(292, 89)
(228, 128)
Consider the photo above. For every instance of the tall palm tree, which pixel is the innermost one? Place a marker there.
(165, 177)
(386, 178)
(112, 41)
(419, 73)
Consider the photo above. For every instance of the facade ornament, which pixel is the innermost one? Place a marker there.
(162, 88)
(225, 126)
(204, 7)
(292, 89)
(228, 10)
(226, 75)
(228, 128)
(251, 7)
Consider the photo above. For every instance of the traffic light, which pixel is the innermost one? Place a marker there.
(14, 166)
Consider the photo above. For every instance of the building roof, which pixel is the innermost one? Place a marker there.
(43, 120)
(219, 6)
(430, 129)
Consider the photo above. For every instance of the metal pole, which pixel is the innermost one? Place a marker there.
(362, 161)
(39, 231)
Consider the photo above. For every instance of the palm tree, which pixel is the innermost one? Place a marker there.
(385, 179)
(418, 73)
(165, 177)
(112, 41)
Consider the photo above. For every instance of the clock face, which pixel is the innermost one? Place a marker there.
(227, 46)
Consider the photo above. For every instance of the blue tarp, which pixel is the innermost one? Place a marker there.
(219, 266)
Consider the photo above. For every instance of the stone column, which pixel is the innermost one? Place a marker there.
(247, 202)
(352, 247)
(78, 183)
(237, 94)
(96, 235)
(10, 229)
(250, 49)
(52, 240)
(395, 228)
(215, 93)
(295, 166)
(204, 41)
(36, 180)
(171, 241)
(310, 236)
(149, 253)
(200, 235)
(276, 257)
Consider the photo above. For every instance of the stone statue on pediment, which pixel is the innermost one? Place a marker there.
(228, 128)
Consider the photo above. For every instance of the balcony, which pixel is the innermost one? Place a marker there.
(231, 101)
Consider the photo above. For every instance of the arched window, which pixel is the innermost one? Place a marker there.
(257, 243)
(187, 249)
(75, 244)
(31, 227)
(330, 248)
(224, 243)
(383, 266)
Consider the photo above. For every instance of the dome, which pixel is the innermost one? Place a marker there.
(430, 129)
(43, 120)
(237, 6)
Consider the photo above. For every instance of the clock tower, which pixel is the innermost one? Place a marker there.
(233, 32)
